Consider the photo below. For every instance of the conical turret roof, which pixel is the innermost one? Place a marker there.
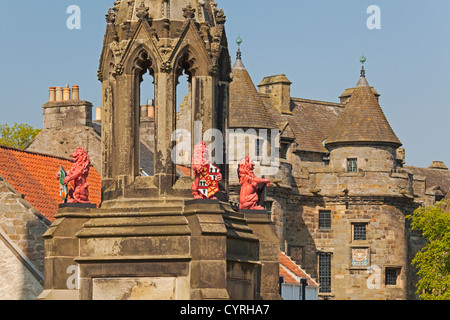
(247, 109)
(363, 120)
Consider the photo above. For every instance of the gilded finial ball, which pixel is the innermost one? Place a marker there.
(362, 59)
(239, 41)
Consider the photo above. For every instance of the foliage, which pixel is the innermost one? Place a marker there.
(433, 261)
(17, 136)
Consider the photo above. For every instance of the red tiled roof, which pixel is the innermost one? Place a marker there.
(287, 277)
(290, 265)
(34, 175)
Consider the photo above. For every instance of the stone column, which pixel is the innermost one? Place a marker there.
(165, 124)
(125, 160)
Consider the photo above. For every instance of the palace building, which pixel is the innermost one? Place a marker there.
(337, 204)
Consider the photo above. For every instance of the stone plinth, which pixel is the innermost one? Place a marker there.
(156, 249)
(269, 250)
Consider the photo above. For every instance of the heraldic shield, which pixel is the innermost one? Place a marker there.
(209, 181)
(63, 190)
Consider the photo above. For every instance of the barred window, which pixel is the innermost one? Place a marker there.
(324, 219)
(360, 231)
(325, 272)
(391, 276)
(352, 165)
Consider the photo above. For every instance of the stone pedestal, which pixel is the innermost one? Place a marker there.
(208, 249)
(269, 250)
(157, 249)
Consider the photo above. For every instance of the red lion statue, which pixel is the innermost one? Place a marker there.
(249, 197)
(201, 167)
(79, 192)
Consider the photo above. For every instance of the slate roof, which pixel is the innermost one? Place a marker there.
(247, 109)
(311, 121)
(433, 177)
(34, 175)
(363, 120)
(290, 271)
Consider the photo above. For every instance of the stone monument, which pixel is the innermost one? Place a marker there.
(150, 239)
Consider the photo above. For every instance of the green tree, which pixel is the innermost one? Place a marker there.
(433, 261)
(17, 136)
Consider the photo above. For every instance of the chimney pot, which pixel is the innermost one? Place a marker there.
(51, 94)
(75, 93)
(59, 93)
(98, 114)
(66, 93)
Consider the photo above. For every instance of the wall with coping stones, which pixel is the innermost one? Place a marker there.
(22, 224)
(18, 283)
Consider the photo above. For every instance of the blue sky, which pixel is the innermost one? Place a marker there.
(317, 44)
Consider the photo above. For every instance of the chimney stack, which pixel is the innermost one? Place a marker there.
(65, 109)
(279, 89)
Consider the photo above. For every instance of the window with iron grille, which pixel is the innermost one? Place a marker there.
(324, 219)
(284, 147)
(391, 276)
(360, 231)
(325, 272)
(352, 165)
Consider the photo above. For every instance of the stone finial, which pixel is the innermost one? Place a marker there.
(363, 60)
(189, 12)
(220, 17)
(142, 11)
(110, 16)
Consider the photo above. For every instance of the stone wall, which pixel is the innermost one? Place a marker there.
(22, 224)
(18, 283)
(21, 246)
(370, 158)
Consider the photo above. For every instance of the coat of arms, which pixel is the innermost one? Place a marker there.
(63, 190)
(209, 181)
(207, 175)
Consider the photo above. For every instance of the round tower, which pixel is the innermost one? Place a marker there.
(362, 138)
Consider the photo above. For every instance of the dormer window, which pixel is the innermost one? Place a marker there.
(352, 165)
